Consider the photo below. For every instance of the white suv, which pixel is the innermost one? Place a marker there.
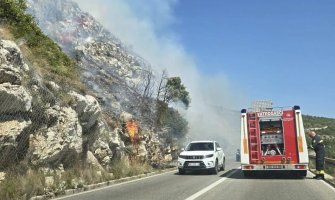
(202, 155)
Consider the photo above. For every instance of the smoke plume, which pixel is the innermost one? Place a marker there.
(145, 28)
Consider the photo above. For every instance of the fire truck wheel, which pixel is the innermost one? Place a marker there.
(248, 173)
(300, 174)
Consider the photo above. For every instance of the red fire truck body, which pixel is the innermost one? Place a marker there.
(273, 139)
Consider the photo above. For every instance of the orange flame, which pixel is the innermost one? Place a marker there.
(132, 128)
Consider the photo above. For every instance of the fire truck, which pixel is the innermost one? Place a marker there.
(273, 139)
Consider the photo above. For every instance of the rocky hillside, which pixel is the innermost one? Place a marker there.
(119, 79)
(114, 78)
(36, 126)
(49, 126)
(115, 74)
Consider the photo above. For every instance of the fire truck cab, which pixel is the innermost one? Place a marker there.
(273, 139)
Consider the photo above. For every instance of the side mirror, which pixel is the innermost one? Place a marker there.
(182, 149)
(218, 149)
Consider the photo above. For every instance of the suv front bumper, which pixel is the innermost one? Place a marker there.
(196, 164)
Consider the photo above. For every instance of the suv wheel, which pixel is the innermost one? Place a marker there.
(181, 171)
(216, 168)
(223, 165)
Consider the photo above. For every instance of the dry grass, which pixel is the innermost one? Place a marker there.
(41, 67)
(23, 185)
(5, 33)
(111, 121)
(17, 186)
(125, 168)
(84, 175)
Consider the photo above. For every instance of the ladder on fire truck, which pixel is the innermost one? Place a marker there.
(253, 137)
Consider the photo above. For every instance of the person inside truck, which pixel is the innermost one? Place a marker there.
(272, 149)
(319, 148)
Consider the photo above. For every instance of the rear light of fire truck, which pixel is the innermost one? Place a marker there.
(248, 167)
(300, 167)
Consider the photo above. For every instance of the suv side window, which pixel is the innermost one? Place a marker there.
(217, 145)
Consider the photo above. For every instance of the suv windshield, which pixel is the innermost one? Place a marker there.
(203, 146)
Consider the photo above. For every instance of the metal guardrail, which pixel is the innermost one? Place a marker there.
(329, 165)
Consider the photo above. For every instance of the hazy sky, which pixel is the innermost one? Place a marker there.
(280, 50)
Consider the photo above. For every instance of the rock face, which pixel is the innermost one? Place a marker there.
(29, 128)
(14, 98)
(107, 145)
(15, 102)
(11, 54)
(88, 110)
(10, 75)
(60, 142)
(2, 176)
(93, 161)
(10, 131)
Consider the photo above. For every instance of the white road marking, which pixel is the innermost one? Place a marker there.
(113, 185)
(211, 186)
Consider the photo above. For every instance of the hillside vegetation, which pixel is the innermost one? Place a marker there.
(44, 53)
(326, 128)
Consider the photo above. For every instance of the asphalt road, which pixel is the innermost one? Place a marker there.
(229, 184)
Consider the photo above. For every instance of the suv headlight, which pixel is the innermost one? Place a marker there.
(181, 156)
(209, 156)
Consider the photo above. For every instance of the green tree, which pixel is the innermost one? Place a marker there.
(176, 92)
(171, 89)
(178, 126)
